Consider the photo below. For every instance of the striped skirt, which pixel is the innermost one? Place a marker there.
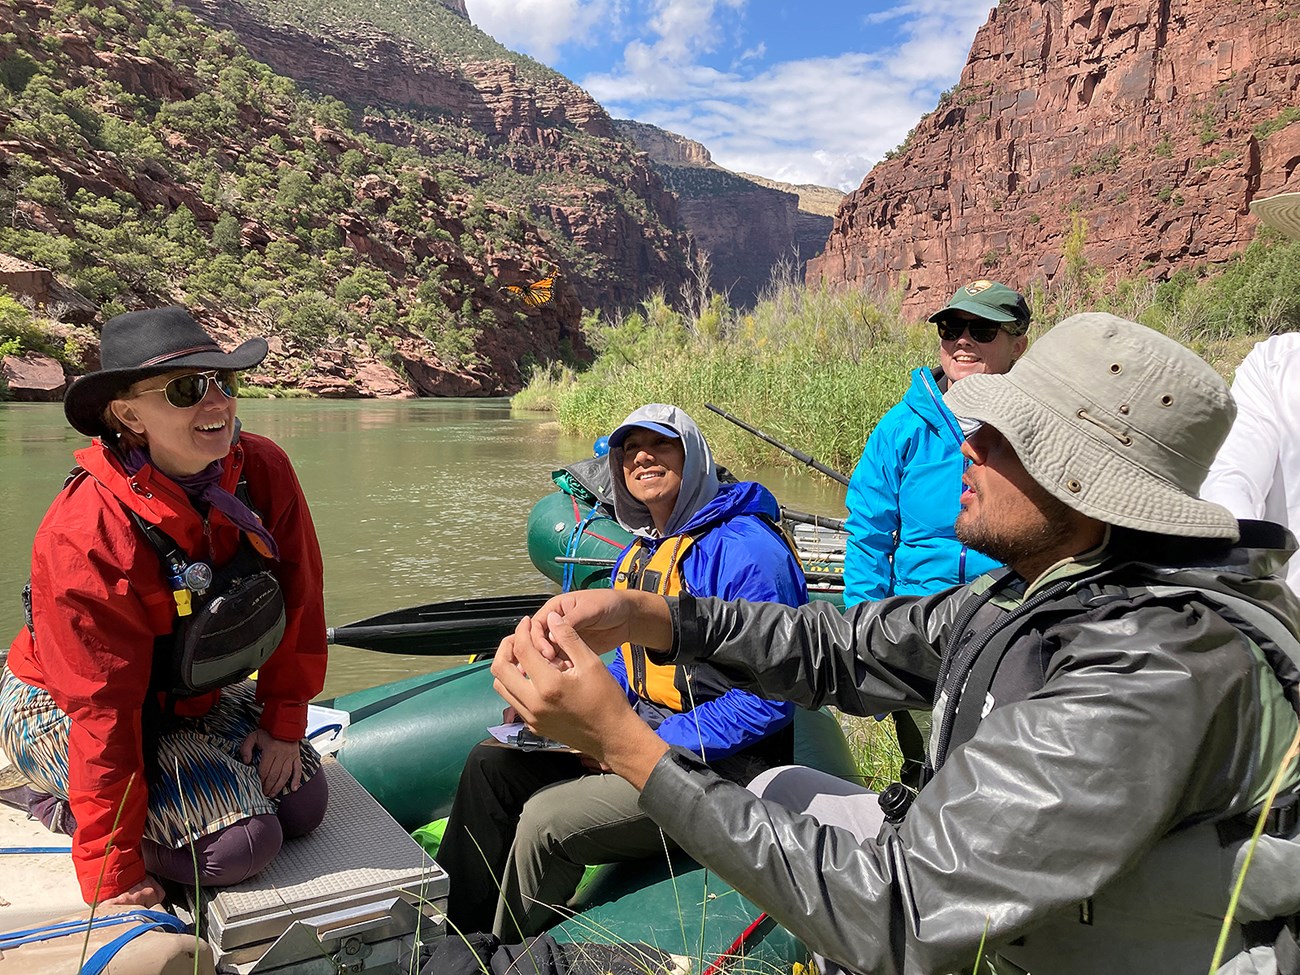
(202, 785)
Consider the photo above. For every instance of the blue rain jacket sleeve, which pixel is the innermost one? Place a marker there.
(740, 556)
(872, 523)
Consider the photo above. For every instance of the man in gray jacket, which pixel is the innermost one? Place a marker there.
(1111, 710)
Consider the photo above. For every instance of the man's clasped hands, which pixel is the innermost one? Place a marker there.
(549, 671)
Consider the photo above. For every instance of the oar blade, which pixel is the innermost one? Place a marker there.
(450, 629)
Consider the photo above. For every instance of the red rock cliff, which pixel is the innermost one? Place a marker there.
(748, 226)
(1156, 121)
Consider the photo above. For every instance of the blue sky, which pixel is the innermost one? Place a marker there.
(806, 92)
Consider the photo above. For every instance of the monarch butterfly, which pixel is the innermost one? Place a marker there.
(536, 294)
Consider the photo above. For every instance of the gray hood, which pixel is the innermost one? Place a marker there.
(699, 474)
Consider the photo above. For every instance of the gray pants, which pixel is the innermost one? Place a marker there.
(563, 829)
(523, 828)
(829, 800)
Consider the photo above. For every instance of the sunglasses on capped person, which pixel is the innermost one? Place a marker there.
(951, 330)
(183, 392)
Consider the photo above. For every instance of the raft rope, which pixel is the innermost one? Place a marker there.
(24, 850)
(581, 524)
(143, 921)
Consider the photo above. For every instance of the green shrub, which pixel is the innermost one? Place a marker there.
(226, 234)
(365, 280)
(47, 190)
(1257, 292)
(1284, 118)
(308, 317)
(17, 70)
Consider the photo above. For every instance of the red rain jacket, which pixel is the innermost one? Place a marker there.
(99, 599)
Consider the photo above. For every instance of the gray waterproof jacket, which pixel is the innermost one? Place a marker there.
(1076, 825)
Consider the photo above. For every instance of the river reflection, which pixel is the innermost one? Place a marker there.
(415, 501)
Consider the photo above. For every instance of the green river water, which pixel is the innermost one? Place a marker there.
(415, 501)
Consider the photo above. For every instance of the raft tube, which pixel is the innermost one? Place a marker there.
(559, 526)
(407, 741)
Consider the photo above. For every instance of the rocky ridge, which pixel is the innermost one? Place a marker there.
(538, 125)
(343, 365)
(1146, 125)
(748, 226)
(601, 223)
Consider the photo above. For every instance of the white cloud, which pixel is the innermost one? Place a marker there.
(937, 34)
(540, 28)
(822, 120)
(818, 120)
(756, 53)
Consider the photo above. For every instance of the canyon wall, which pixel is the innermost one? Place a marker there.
(1147, 126)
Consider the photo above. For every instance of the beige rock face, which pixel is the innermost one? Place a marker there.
(1155, 122)
(33, 378)
(748, 226)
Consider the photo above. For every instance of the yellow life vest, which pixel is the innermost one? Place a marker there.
(660, 572)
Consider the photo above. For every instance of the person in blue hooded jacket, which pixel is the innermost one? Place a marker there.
(525, 825)
(905, 493)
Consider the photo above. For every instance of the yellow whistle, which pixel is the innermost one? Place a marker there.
(182, 597)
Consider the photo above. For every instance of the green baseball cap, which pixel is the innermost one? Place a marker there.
(991, 301)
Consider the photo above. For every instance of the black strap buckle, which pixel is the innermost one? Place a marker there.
(1282, 818)
(1284, 815)
(895, 801)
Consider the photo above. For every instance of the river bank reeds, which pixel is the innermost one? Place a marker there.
(817, 368)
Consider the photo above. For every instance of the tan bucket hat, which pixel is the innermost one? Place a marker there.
(1118, 421)
(1281, 212)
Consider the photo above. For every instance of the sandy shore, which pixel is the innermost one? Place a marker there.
(34, 887)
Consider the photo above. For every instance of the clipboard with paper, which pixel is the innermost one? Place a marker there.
(515, 734)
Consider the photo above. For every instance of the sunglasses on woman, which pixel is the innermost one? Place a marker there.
(185, 391)
(951, 330)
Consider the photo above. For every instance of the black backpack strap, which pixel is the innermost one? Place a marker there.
(955, 672)
(241, 492)
(1281, 820)
(1074, 602)
(174, 560)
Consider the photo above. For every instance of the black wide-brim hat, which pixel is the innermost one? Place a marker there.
(146, 343)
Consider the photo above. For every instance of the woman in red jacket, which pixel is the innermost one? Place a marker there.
(126, 695)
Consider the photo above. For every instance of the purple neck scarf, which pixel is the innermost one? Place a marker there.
(206, 485)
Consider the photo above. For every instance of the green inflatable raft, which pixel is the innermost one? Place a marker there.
(573, 543)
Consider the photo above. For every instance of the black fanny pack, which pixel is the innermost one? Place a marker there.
(231, 633)
(229, 621)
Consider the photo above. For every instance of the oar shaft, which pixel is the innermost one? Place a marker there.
(820, 521)
(829, 578)
(798, 455)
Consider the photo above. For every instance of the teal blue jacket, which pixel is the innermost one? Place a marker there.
(903, 498)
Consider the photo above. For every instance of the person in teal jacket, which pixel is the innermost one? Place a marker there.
(904, 495)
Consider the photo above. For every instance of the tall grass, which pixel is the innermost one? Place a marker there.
(817, 368)
(874, 747)
(798, 367)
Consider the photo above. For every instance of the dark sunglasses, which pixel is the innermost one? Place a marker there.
(183, 392)
(951, 331)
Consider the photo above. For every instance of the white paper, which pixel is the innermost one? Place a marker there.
(508, 734)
